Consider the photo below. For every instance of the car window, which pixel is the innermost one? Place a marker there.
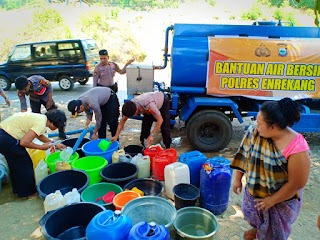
(21, 53)
(71, 49)
(43, 51)
(90, 46)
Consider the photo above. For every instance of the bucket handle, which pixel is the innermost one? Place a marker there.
(154, 177)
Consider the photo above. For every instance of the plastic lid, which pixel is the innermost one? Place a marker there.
(152, 224)
(117, 212)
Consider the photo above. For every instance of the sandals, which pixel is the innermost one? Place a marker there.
(33, 196)
(248, 235)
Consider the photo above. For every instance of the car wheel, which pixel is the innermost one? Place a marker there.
(209, 131)
(83, 81)
(66, 83)
(5, 83)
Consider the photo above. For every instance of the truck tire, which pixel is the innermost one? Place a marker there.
(209, 131)
(66, 83)
(83, 81)
(5, 83)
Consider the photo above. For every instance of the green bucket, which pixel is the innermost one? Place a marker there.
(92, 166)
(53, 158)
(195, 223)
(91, 193)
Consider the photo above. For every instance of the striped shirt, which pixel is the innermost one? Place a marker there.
(265, 167)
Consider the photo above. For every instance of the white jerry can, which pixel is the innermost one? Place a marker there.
(174, 174)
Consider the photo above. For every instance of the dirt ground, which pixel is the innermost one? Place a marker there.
(19, 218)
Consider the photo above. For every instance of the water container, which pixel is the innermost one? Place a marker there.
(215, 182)
(116, 155)
(125, 158)
(135, 158)
(145, 231)
(41, 171)
(66, 153)
(4, 168)
(151, 152)
(143, 165)
(194, 160)
(109, 225)
(171, 153)
(174, 174)
(71, 197)
(53, 201)
(221, 161)
(159, 163)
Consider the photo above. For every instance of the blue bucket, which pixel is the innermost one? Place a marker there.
(92, 149)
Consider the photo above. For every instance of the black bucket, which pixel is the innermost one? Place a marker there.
(70, 142)
(64, 181)
(119, 173)
(133, 150)
(148, 186)
(185, 195)
(70, 221)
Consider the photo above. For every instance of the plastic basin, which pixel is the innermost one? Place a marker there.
(148, 186)
(53, 158)
(70, 142)
(119, 173)
(92, 166)
(151, 209)
(92, 149)
(64, 181)
(133, 150)
(91, 193)
(185, 195)
(195, 223)
(121, 199)
(69, 222)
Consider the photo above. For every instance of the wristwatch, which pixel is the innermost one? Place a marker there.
(152, 134)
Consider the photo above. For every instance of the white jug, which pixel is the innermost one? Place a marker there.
(71, 197)
(41, 171)
(143, 165)
(116, 155)
(125, 158)
(136, 158)
(53, 201)
(174, 174)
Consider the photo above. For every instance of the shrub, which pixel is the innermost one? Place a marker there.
(252, 14)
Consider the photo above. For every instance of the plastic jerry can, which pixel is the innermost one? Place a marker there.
(174, 174)
(215, 182)
(220, 160)
(145, 231)
(152, 152)
(160, 161)
(171, 153)
(143, 165)
(71, 197)
(135, 158)
(41, 171)
(109, 225)
(194, 160)
(116, 155)
(53, 201)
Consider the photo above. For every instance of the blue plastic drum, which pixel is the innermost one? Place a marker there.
(149, 231)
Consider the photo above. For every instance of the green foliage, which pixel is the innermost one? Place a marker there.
(142, 5)
(15, 4)
(252, 14)
(232, 17)
(280, 14)
(211, 2)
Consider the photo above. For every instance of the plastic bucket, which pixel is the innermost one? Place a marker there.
(148, 186)
(69, 222)
(119, 173)
(53, 158)
(91, 193)
(185, 195)
(64, 181)
(70, 142)
(133, 150)
(92, 166)
(123, 198)
(92, 149)
(151, 209)
(195, 223)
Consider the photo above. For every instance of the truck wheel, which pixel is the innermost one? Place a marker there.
(209, 131)
(66, 83)
(83, 81)
(5, 83)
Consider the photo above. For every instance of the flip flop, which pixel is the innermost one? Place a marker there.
(249, 236)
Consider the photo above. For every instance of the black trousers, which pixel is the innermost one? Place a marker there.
(110, 114)
(148, 119)
(113, 87)
(20, 165)
(36, 108)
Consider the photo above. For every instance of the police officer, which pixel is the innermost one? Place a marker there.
(40, 93)
(105, 71)
(104, 103)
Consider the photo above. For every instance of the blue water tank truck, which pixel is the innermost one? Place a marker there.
(223, 72)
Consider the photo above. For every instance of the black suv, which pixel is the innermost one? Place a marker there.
(66, 61)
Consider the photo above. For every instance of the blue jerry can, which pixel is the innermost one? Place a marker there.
(148, 231)
(109, 225)
(215, 182)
